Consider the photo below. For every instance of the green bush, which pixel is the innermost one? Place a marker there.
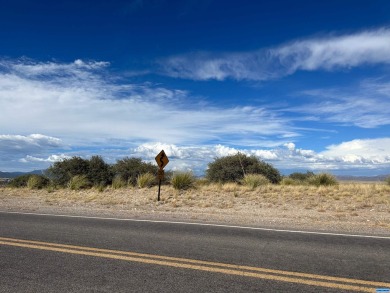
(63, 171)
(255, 180)
(20, 181)
(37, 182)
(118, 182)
(99, 172)
(183, 180)
(128, 169)
(387, 180)
(79, 182)
(322, 179)
(96, 170)
(233, 169)
(301, 176)
(146, 180)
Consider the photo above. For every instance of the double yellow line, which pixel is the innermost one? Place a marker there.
(214, 267)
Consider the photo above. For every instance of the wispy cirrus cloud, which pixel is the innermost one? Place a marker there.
(332, 52)
(367, 105)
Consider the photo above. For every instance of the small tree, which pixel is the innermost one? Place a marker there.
(99, 172)
(233, 169)
(63, 171)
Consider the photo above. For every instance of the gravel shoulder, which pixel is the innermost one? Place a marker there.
(229, 207)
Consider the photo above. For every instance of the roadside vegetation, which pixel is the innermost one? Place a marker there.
(238, 186)
(236, 172)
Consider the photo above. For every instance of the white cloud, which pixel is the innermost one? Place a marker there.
(366, 47)
(326, 53)
(50, 159)
(374, 151)
(290, 146)
(29, 143)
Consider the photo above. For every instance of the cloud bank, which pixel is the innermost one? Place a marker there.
(80, 102)
(352, 155)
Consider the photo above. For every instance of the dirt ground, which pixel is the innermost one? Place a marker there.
(348, 208)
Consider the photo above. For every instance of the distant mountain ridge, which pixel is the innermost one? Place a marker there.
(16, 174)
(362, 178)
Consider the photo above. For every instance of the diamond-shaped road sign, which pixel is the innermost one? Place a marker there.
(162, 159)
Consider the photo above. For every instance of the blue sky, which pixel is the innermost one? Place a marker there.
(303, 85)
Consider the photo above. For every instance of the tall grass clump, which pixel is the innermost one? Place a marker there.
(79, 182)
(323, 179)
(183, 180)
(37, 182)
(145, 180)
(255, 180)
(290, 181)
(118, 182)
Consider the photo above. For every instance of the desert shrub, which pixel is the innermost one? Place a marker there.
(118, 182)
(387, 180)
(20, 181)
(128, 169)
(322, 179)
(96, 170)
(99, 172)
(146, 180)
(79, 182)
(183, 180)
(63, 171)
(297, 176)
(255, 180)
(37, 182)
(290, 181)
(233, 169)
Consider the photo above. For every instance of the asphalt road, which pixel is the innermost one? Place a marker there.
(66, 254)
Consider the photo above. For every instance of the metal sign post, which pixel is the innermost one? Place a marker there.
(162, 161)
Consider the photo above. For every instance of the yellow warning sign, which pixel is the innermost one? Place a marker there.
(162, 159)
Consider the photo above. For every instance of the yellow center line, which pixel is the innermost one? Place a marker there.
(246, 271)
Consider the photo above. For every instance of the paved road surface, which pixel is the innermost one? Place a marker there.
(66, 254)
